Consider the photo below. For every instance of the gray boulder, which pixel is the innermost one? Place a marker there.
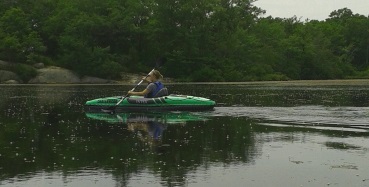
(3, 63)
(11, 82)
(39, 65)
(6, 76)
(94, 80)
(55, 75)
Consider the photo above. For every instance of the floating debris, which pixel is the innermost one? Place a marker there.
(345, 167)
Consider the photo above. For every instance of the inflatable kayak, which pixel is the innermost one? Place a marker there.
(166, 103)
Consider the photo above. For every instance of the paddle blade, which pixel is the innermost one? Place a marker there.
(111, 109)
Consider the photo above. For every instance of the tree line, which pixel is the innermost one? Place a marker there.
(207, 40)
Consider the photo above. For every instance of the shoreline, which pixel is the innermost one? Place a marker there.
(258, 83)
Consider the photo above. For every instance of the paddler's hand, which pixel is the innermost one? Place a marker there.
(129, 93)
(145, 79)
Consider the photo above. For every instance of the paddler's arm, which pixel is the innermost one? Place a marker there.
(144, 92)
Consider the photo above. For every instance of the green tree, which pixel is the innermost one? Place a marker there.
(209, 40)
(353, 40)
(18, 40)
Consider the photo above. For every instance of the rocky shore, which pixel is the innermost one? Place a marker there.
(57, 75)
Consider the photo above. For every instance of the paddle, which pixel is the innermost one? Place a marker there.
(159, 63)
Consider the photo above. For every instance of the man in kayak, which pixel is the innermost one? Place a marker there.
(153, 87)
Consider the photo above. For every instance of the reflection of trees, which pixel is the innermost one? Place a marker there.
(70, 143)
(199, 145)
(25, 123)
(358, 97)
(55, 136)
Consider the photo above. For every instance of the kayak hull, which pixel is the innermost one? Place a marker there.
(165, 103)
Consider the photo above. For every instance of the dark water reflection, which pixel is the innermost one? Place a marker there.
(259, 135)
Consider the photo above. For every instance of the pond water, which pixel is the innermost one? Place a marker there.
(259, 134)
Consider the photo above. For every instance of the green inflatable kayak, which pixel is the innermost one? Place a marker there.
(166, 103)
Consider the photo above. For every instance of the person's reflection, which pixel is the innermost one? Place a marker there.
(150, 132)
(148, 128)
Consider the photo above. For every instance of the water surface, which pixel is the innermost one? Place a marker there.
(260, 134)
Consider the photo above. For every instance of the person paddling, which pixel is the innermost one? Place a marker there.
(153, 87)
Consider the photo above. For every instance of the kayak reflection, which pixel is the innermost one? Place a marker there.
(158, 117)
(149, 126)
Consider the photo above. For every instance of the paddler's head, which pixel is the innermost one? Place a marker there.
(155, 75)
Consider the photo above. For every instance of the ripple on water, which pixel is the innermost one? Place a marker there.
(319, 117)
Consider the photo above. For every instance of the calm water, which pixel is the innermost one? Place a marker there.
(263, 134)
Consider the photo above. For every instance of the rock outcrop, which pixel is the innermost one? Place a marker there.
(9, 77)
(55, 75)
(95, 80)
(58, 75)
(3, 63)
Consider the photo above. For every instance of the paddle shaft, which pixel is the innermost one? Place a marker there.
(133, 89)
(159, 62)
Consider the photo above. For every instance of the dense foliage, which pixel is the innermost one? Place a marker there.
(209, 40)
